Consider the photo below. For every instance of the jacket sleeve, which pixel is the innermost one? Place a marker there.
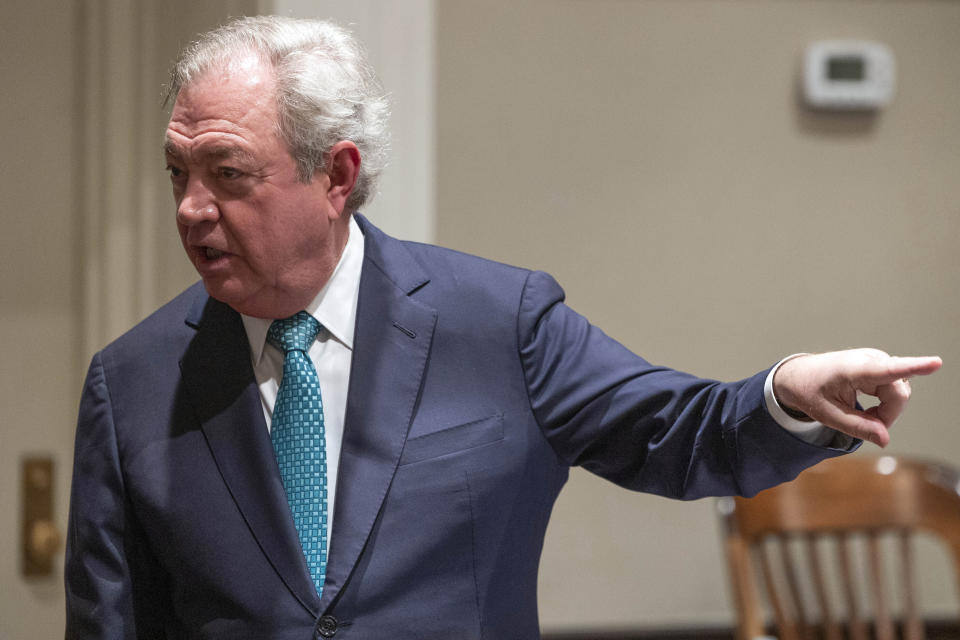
(646, 427)
(113, 585)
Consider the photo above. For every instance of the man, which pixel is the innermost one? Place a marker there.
(456, 392)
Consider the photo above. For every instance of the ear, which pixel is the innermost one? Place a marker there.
(342, 171)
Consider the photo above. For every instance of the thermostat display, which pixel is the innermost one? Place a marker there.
(848, 74)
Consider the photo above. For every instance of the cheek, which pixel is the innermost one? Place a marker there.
(260, 250)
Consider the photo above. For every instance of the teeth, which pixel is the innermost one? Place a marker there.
(213, 254)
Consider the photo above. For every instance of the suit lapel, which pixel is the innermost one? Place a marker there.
(219, 378)
(392, 345)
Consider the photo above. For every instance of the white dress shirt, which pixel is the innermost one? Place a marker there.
(335, 308)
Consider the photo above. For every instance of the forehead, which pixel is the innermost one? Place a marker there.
(229, 104)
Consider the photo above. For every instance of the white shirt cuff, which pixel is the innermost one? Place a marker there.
(811, 432)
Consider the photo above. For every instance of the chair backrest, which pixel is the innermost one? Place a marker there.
(854, 508)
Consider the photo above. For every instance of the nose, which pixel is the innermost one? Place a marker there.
(197, 205)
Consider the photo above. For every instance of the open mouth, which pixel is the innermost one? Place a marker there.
(207, 259)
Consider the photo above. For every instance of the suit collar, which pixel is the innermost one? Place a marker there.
(391, 258)
(380, 251)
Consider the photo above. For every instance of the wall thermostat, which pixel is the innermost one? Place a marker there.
(848, 74)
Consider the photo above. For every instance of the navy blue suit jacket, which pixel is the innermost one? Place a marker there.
(473, 390)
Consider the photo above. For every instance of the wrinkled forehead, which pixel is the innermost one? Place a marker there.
(228, 108)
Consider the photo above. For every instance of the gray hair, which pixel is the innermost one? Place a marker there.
(326, 89)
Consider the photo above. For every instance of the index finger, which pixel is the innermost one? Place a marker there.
(897, 367)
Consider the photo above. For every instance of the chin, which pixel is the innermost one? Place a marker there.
(257, 304)
(231, 296)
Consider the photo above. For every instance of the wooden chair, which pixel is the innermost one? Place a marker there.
(864, 505)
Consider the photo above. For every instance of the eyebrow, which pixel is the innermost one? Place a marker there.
(212, 152)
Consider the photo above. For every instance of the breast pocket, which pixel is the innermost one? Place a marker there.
(461, 437)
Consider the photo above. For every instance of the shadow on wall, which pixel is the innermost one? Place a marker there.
(833, 123)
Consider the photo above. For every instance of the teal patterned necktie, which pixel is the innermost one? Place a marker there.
(298, 438)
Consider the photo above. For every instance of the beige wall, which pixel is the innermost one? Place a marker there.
(653, 156)
(38, 301)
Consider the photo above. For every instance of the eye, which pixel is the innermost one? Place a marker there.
(229, 173)
(175, 172)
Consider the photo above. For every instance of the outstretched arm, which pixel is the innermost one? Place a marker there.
(824, 386)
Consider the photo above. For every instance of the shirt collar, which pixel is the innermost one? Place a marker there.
(335, 307)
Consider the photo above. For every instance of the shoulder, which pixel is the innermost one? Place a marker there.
(459, 267)
(454, 276)
(170, 326)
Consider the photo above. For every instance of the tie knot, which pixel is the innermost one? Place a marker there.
(295, 333)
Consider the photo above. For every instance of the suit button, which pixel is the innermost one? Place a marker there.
(327, 626)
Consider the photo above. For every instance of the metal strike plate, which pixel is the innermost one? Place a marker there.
(40, 539)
